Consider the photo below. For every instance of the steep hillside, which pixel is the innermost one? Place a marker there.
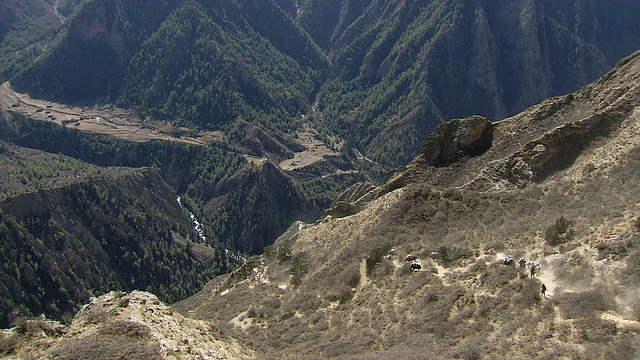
(428, 264)
(145, 328)
(553, 185)
(402, 67)
(108, 229)
(197, 64)
(379, 74)
(233, 198)
(25, 28)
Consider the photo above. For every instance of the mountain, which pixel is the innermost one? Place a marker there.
(382, 74)
(25, 29)
(399, 68)
(235, 199)
(200, 65)
(94, 230)
(90, 205)
(553, 185)
(270, 109)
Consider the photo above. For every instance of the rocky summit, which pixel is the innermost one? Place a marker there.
(518, 238)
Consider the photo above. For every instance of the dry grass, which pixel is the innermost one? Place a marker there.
(108, 347)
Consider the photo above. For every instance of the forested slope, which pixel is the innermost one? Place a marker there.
(116, 230)
(402, 67)
(383, 73)
(26, 26)
(200, 65)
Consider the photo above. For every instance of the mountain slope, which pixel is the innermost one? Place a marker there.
(219, 62)
(25, 29)
(229, 195)
(402, 67)
(555, 187)
(197, 64)
(398, 68)
(116, 228)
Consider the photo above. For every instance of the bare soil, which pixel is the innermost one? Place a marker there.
(315, 150)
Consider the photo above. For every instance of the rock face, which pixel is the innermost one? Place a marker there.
(456, 139)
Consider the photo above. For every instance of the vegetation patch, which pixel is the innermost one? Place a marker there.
(126, 328)
(562, 231)
(450, 254)
(299, 268)
(376, 256)
(586, 304)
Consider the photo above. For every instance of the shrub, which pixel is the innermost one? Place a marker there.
(448, 255)
(32, 327)
(560, 232)
(342, 294)
(299, 268)
(375, 258)
(8, 344)
(126, 328)
(470, 350)
(530, 293)
(107, 347)
(583, 304)
(97, 317)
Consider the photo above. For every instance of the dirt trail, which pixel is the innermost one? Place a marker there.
(546, 276)
(55, 11)
(364, 281)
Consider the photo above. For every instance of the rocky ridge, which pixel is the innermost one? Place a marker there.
(119, 325)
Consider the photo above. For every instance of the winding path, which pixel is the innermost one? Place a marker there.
(55, 10)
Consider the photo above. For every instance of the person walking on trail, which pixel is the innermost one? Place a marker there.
(543, 290)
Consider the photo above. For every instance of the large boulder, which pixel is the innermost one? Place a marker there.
(457, 139)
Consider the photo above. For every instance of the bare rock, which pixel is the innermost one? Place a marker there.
(458, 139)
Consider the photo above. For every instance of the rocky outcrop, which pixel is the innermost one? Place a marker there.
(548, 154)
(457, 139)
(351, 200)
(118, 325)
(603, 106)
